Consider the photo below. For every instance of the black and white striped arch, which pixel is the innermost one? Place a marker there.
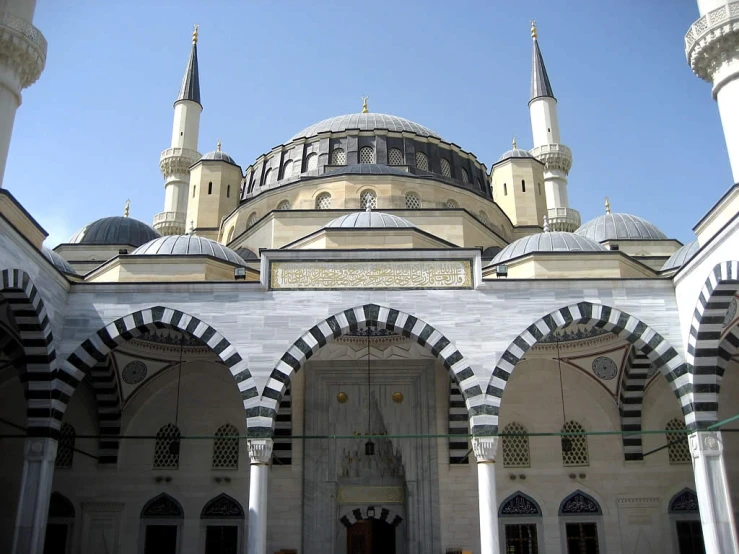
(630, 403)
(105, 386)
(359, 514)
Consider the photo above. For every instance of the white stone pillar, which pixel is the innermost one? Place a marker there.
(485, 449)
(33, 504)
(712, 487)
(260, 453)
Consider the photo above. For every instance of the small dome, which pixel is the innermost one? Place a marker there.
(619, 227)
(555, 241)
(365, 220)
(218, 156)
(115, 230)
(60, 263)
(515, 153)
(188, 245)
(365, 122)
(367, 169)
(682, 256)
(246, 254)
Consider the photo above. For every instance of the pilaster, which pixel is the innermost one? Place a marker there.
(260, 453)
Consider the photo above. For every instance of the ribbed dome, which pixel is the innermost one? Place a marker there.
(246, 254)
(115, 230)
(220, 156)
(60, 263)
(365, 220)
(365, 122)
(682, 256)
(515, 153)
(367, 169)
(188, 245)
(619, 227)
(555, 241)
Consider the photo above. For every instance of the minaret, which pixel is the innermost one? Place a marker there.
(556, 157)
(176, 160)
(22, 59)
(711, 49)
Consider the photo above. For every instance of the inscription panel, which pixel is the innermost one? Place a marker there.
(370, 495)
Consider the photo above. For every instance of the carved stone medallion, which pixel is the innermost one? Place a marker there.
(605, 368)
(134, 372)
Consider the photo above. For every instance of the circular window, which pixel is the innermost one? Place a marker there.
(605, 368)
(134, 372)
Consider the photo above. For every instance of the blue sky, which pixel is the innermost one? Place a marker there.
(643, 129)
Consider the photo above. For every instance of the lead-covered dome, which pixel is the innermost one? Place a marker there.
(554, 241)
(365, 122)
(367, 169)
(367, 220)
(60, 263)
(188, 245)
(218, 156)
(115, 230)
(620, 227)
(514, 153)
(682, 256)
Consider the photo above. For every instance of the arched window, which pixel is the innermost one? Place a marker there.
(483, 217)
(677, 442)
(465, 176)
(65, 448)
(311, 162)
(516, 447)
(451, 204)
(686, 519)
(446, 168)
(161, 525)
(505, 189)
(251, 220)
(167, 447)
(338, 157)
(368, 199)
(210, 187)
(581, 521)
(287, 169)
(226, 448)
(395, 157)
(412, 201)
(422, 162)
(520, 517)
(59, 524)
(523, 185)
(479, 184)
(323, 201)
(269, 177)
(222, 522)
(284, 205)
(366, 155)
(574, 447)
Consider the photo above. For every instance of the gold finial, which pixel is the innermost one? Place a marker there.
(365, 109)
(195, 34)
(608, 206)
(218, 146)
(534, 32)
(515, 146)
(127, 208)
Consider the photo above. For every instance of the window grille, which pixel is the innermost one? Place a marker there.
(395, 157)
(516, 449)
(446, 168)
(465, 176)
(269, 177)
(338, 157)
(166, 448)
(226, 448)
(287, 169)
(323, 201)
(578, 453)
(366, 155)
(368, 199)
(284, 205)
(451, 204)
(412, 201)
(422, 162)
(251, 220)
(65, 448)
(311, 162)
(483, 217)
(677, 448)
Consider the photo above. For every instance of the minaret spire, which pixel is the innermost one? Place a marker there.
(190, 89)
(540, 85)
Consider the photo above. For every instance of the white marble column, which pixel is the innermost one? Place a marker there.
(33, 504)
(485, 448)
(712, 487)
(260, 453)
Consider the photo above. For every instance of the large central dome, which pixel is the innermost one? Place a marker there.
(365, 122)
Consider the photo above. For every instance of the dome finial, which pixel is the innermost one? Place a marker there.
(365, 109)
(608, 206)
(546, 224)
(515, 146)
(218, 145)
(369, 209)
(127, 208)
(195, 34)
(534, 32)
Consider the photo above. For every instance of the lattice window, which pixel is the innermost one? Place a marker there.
(284, 205)
(677, 448)
(446, 168)
(451, 204)
(412, 201)
(311, 162)
(516, 448)
(574, 447)
(483, 217)
(338, 157)
(395, 157)
(226, 448)
(287, 169)
(422, 162)
(368, 199)
(251, 220)
(167, 448)
(65, 448)
(323, 201)
(465, 176)
(366, 155)
(270, 177)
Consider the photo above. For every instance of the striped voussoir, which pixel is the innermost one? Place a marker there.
(105, 385)
(459, 424)
(359, 514)
(282, 449)
(620, 323)
(260, 419)
(631, 397)
(46, 403)
(708, 353)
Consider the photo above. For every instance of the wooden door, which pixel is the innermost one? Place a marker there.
(359, 538)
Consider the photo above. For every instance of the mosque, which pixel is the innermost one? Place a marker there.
(366, 341)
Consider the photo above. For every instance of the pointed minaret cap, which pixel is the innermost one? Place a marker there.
(190, 89)
(540, 85)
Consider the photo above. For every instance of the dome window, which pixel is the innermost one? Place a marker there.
(465, 176)
(311, 162)
(422, 162)
(167, 447)
(677, 441)
(284, 205)
(270, 177)
(251, 220)
(451, 204)
(395, 157)
(412, 201)
(523, 185)
(210, 187)
(226, 448)
(323, 201)
(483, 217)
(516, 446)
(366, 155)
(446, 168)
(287, 169)
(338, 157)
(577, 454)
(368, 199)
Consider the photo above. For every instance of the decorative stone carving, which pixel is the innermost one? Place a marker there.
(134, 372)
(398, 397)
(519, 505)
(260, 450)
(371, 495)
(579, 503)
(342, 398)
(162, 506)
(705, 443)
(222, 507)
(605, 368)
(573, 334)
(711, 38)
(685, 501)
(22, 49)
(485, 448)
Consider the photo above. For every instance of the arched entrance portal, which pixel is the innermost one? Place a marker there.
(370, 536)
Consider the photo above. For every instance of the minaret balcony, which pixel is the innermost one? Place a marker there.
(714, 35)
(563, 219)
(170, 223)
(554, 156)
(177, 161)
(23, 47)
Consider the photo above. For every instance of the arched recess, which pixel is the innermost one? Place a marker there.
(260, 419)
(519, 504)
(647, 340)
(163, 506)
(579, 502)
(709, 348)
(41, 381)
(108, 397)
(382, 514)
(630, 403)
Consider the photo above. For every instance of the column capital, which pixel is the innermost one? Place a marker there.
(38, 449)
(485, 448)
(260, 450)
(705, 443)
